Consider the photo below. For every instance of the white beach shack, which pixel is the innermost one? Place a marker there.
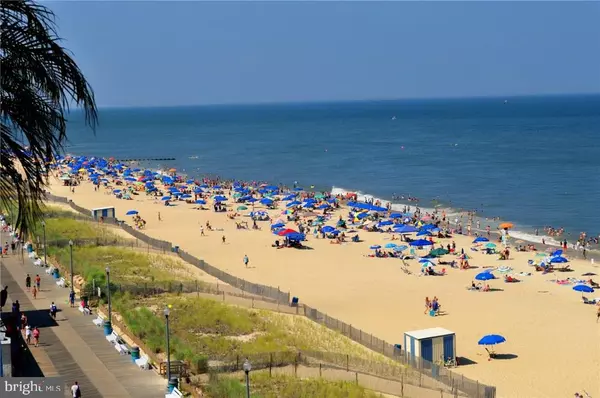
(433, 345)
(105, 212)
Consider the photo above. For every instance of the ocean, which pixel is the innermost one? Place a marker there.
(534, 161)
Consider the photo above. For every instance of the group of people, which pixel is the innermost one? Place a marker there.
(432, 307)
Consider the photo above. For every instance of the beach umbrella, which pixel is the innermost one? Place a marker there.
(360, 216)
(289, 197)
(294, 203)
(286, 232)
(165, 198)
(185, 196)
(323, 206)
(298, 189)
(491, 339)
(277, 225)
(327, 229)
(558, 260)
(296, 236)
(405, 229)
(484, 276)
(390, 245)
(400, 248)
(438, 252)
(201, 202)
(116, 191)
(375, 247)
(428, 227)
(583, 289)
(242, 207)
(131, 213)
(266, 201)
(384, 223)
(556, 253)
(420, 242)
(424, 233)
(481, 239)
(490, 245)
(377, 208)
(425, 260)
(427, 264)
(506, 225)
(220, 198)
(190, 181)
(395, 215)
(332, 200)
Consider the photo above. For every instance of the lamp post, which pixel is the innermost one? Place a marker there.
(247, 368)
(167, 312)
(71, 261)
(109, 320)
(44, 229)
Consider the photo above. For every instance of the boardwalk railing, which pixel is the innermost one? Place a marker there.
(426, 369)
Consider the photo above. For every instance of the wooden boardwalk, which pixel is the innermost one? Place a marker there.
(72, 346)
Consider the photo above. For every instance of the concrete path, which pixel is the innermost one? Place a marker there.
(72, 346)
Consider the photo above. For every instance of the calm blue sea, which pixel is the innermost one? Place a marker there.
(532, 160)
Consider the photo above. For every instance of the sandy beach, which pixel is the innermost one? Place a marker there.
(553, 338)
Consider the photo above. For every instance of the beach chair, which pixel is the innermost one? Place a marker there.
(491, 353)
(588, 301)
(61, 282)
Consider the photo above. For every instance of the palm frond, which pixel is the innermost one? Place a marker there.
(39, 81)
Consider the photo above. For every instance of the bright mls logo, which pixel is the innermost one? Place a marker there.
(47, 387)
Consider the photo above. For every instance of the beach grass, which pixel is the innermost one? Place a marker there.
(205, 329)
(282, 386)
(126, 265)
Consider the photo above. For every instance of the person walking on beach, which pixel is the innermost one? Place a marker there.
(246, 260)
(202, 231)
(34, 292)
(28, 282)
(38, 281)
(28, 334)
(223, 238)
(159, 219)
(598, 313)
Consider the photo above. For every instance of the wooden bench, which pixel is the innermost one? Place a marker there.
(174, 394)
(143, 362)
(118, 343)
(98, 321)
(61, 282)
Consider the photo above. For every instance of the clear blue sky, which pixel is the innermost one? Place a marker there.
(185, 53)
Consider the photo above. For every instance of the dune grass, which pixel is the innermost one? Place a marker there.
(205, 329)
(281, 386)
(127, 266)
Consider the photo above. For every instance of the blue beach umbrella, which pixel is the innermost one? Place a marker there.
(131, 213)
(251, 200)
(277, 225)
(423, 233)
(296, 237)
(491, 339)
(395, 215)
(185, 196)
(165, 198)
(558, 260)
(427, 264)
(189, 181)
(360, 216)
(405, 229)
(327, 229)
(116, 191)
(375, 247)
(201, 202)
(294, 203)
(481, 239)
(484, 276)
(583, 289)
(220, 198)
(289, 197)
(400, 248)
(266, 201)
(384, 223)
(390, 246)
(323, 206)
(420, 242)
(557, 253)
(216, 187)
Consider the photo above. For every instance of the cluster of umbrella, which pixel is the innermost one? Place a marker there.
(291, 235)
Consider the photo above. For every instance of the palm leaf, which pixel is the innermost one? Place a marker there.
(39, 81)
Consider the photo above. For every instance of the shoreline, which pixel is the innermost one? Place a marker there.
(365, 292)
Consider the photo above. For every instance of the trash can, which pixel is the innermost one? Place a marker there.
(173, 383)
(29, 248)
(55, 273)
(135, 353)
(107, 328)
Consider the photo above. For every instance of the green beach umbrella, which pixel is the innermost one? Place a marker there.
(490, 245)
(242, 208)
(438, 252)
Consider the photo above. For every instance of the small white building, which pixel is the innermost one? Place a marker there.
(106, 212)
(433, 345)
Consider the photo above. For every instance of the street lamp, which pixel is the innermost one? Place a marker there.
(247, 368)
(108, 324)
(44, 229)
(71, 252)
(167, 311)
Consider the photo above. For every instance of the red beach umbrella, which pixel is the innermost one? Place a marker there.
(286, 232)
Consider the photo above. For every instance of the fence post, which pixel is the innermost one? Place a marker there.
(223, 296)
(477, 388)
(197, 291)
(347, 363)
(402, 385)
(320, 370)
(252, 302)
(356, 373)
(270, 364)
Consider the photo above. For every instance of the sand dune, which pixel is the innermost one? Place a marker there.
(552, 335)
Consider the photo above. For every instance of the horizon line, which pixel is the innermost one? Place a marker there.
(342, 101)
